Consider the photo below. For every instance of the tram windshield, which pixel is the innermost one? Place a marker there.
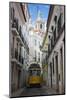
(34, 72)
(34, 69)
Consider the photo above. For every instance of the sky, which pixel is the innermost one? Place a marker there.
(34, 8)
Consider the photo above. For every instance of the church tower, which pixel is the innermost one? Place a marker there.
(40, 24)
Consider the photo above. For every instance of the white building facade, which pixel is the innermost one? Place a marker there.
(19, 51)
(56, 48)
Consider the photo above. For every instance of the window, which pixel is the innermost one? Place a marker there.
(61, 60)
(12, 71)
(59, 23)
(13, 41)
(52, 42)
(53, 65)
(12, 13)
(49, 37)
(40, 26)
(38, 72)
(55, 35)
(39, 56)
(46, 59)
(24, 54)
(48, 48)
(55, 18)
(17, 47)
(35, 42)
(52, 28)
(36, 26)
(51, 72)
(20, 30)
(34, 72)
(20, 50)
(35, 55)
(19, 73)
(39, 43)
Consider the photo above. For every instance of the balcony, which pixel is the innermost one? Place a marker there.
(17, 32)
(21, 39)
(56, 40)
(17, 58)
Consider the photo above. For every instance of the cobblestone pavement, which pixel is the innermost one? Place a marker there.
(36, 91)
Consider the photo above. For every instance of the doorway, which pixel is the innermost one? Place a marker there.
(57, 79)
(19, 72)
(51, 73)
(61, 63)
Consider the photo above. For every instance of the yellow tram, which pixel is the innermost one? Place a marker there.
(34, 77)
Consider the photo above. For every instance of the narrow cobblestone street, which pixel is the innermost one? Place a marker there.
(36, 91)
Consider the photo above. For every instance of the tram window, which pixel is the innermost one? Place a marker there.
(30, 72)
(34, 72)
(38, 72)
